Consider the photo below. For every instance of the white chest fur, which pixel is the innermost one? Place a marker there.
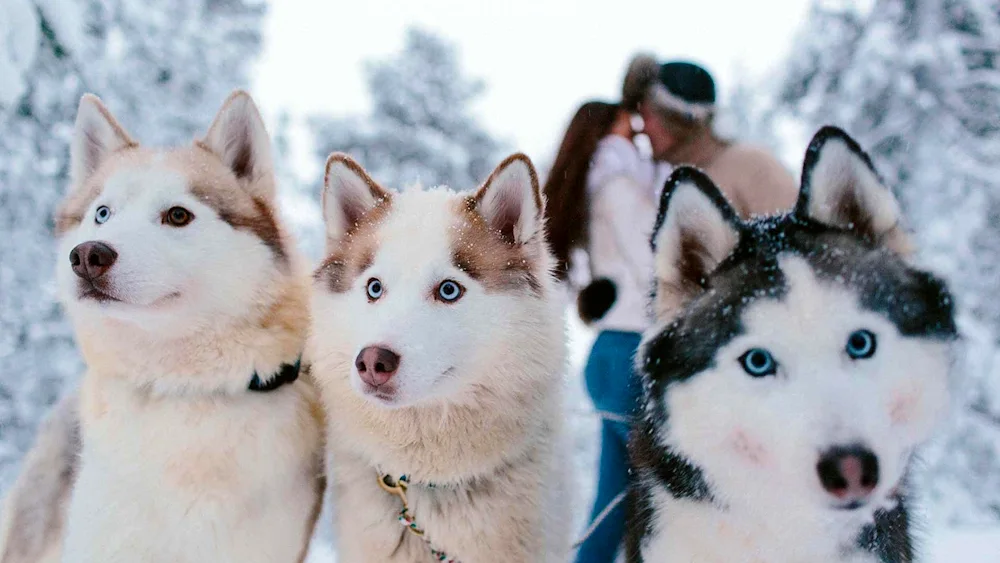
(515, 516)
(194, 479)
(685, 531)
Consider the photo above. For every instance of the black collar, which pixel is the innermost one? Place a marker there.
(287, 374)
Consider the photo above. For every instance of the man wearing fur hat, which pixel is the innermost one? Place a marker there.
(677, 103)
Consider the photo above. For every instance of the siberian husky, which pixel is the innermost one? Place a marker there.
(190, 307)
(438, 346)
(797, 363)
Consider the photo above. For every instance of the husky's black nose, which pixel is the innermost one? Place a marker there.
(376, 365)
(849, 473)
(92, 260)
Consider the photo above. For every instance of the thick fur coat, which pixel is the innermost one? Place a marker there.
(456, 289)
(182, 287)
(797, 363)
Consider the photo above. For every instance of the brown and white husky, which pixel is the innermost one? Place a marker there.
(190, 309)
(438, 345)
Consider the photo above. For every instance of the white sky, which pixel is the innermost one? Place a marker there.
(540, 58)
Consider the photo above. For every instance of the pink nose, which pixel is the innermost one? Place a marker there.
(376, 365)
(849, 473)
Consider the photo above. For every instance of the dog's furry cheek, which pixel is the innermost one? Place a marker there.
(749, 448)
(903, 406)
(913, 404)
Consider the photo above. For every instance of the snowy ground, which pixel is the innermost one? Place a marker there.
(949, 546)
(941, 545)
(963, 545)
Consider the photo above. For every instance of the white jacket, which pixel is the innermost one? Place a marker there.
(624, 191)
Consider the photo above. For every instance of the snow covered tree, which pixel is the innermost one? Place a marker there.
(746, 113)
(163, 69)
(299, 195)
(421, 127)
(918, 83)
(39, 94)
(171, 65)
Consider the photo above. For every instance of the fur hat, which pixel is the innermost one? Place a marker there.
(679, 87)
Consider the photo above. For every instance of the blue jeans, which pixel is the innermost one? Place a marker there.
(614, 387)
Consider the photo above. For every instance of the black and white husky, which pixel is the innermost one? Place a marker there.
(796, 364)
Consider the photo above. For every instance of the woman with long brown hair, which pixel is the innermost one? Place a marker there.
(601, 198)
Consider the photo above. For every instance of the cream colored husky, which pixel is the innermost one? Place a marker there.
(190, 309)
(438, 344)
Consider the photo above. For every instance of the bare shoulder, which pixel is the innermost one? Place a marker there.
(762, 182)
(751, 155)
(760, 164)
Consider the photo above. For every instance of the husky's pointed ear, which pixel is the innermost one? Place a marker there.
(349, 194)
(238, 137)
(511, 201)
(695, 230)
(96, 134)
(841, 188)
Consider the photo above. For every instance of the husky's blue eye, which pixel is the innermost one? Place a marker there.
(449, 291)
(861, 344)
(102, 215)
(374, 289)
(758, 362)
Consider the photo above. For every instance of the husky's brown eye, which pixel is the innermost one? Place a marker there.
(177, 217)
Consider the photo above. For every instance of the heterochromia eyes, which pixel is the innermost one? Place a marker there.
(449, 291)
(374, 289)
(758, 362)
(861, 344)
(102, 215)
(175, 216)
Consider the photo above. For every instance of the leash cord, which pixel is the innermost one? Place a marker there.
(614, 417)
(600, 518)
(399, 489)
